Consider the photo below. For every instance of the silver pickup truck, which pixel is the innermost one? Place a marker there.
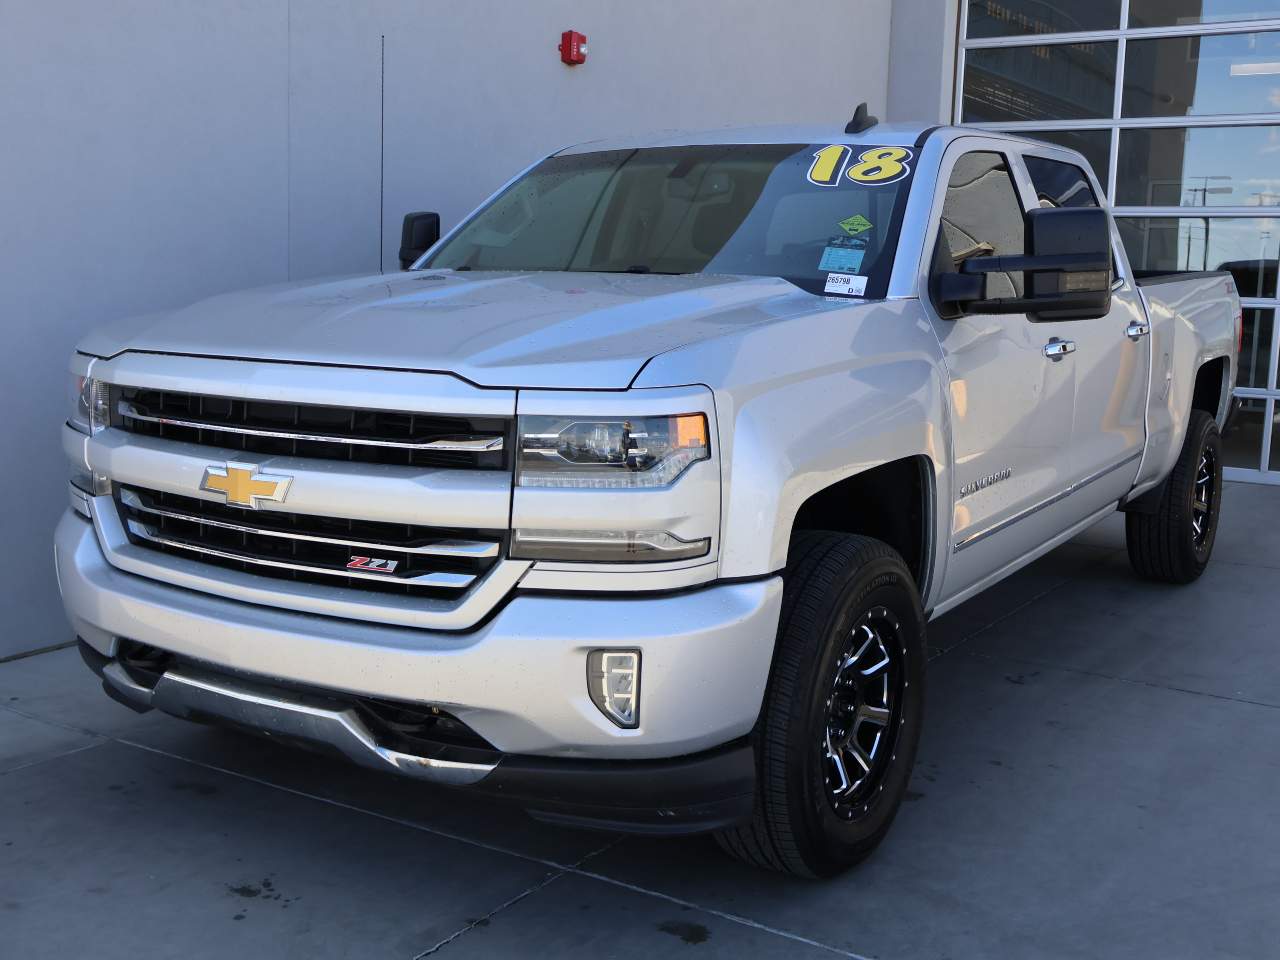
(631, 498)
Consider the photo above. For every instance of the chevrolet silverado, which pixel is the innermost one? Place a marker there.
(631, 498)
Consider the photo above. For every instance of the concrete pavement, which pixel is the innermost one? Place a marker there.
(1097, 779)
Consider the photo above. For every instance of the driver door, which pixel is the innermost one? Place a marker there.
(1012, 395)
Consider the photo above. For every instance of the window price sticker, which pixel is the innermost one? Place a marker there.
(841, 258)
(848, 284)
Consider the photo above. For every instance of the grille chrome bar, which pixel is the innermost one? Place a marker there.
(447, 445)
(470, 549)
(436, 579)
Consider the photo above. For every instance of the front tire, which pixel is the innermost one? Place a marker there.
(1174, 543)
(837, 735)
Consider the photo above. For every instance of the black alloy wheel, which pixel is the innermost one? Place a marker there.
(863, 712)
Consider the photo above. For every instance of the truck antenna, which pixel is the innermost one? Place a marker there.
(861, 120)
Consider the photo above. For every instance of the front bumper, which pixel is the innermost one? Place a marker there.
(688, 794)
(518, 680)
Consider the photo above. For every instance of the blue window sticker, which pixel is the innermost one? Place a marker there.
(841, 259)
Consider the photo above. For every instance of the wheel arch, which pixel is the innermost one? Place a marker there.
(1212, 391)
(894, 502)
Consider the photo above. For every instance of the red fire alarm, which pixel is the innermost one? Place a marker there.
(573, 48)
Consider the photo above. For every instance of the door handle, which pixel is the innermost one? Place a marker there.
(1137, 330)
(1056, 349)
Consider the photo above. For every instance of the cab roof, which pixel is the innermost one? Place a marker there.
(902, 134)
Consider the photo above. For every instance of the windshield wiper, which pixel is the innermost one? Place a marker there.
(643, 268)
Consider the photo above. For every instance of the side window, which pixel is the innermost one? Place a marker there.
(1060, 184)
(981, 217)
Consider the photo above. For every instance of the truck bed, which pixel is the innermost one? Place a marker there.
(1151, 278)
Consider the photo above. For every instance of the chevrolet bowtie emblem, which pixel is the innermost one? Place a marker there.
(243, 485)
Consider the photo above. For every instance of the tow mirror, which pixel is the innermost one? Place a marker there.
(1067, 274)
(419, 232)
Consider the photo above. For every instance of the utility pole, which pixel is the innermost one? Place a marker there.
(1203, 190)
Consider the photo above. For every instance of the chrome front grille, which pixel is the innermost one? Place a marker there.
(366, 555)
(306, 430)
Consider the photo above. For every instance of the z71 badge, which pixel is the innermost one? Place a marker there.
(373, 564)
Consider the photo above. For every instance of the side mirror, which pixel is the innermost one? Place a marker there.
(1067, 273)
(419, 232)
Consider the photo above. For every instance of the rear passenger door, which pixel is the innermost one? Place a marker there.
(1111, 361)
(1011, 405)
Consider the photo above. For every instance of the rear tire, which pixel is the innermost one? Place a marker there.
(837, 734)
(1174, 543)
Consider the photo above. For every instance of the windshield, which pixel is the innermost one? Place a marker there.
(819, 215)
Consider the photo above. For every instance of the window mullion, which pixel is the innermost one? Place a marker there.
(1117, 104)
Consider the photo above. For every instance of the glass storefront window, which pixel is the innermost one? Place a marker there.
(1094, 144)
(1200, 167)
(1255, 349)
(1006, 18)
(1242, 443)
(1176, 13)
(1048, 82)
(1190, 76)
(1247, 246)
(1275, 436)
(1192, 124)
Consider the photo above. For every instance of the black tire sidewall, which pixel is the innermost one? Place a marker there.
(885, 582)
(1207, 437)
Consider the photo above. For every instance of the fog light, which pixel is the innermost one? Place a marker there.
(613, 680)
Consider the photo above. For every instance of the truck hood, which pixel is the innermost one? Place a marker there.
(583, 330)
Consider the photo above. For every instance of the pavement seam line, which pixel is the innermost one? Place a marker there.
(342, 805)
(1246, 563)
(722, 914)
(56, 756)
(1132, 681)
(562, 867)
(55, 723)
(35, 653)
(542, 884)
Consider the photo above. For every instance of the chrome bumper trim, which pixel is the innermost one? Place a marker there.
(468, 549)
(187, 694)
(336, 601)
(445, 445)
(438, 579)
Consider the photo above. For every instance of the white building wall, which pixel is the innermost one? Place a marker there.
(923, 60)
(153, 152)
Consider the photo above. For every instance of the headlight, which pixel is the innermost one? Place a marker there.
(602, 489)
(90, 402)
(615, 453)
